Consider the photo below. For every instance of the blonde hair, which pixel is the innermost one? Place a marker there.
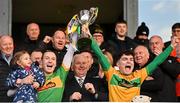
(17, 56)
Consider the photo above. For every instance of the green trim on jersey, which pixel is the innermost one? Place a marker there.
(102, 59)
(52, 90)
(158, 60)
(116, 80)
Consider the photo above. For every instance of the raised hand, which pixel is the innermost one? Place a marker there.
(157, 51)
(47, 39)
(85, 30)
(174, 41)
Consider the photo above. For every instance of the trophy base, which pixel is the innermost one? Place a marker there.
(84, 44)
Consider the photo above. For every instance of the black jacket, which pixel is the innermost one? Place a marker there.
(152, 88)
(167, 43)
(122, 45)
(170, 68)
(5, 69)
(72, 86)
(144, 42)
(59, 53)
(28, 45)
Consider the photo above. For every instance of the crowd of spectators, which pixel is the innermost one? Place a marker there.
(119, 69)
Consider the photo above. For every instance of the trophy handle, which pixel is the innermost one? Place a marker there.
(72, 25)
(94, 13)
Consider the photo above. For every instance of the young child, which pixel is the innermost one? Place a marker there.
(27, 77)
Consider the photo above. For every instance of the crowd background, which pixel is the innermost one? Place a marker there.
(86, 80)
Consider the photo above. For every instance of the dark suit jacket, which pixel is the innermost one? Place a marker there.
(5, 69)
(170, 69)
(152, 88)
(72, 86)
(28, 45)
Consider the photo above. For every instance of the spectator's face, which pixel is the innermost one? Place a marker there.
(176, 32)
(6, 45)
(80, 66)
(141, 55)
(33, 31)
(126, 64)
(99, 38)
(89, 58)
(144, 37)
(156, 43)
(24, 60)
(59, 40)
(49, 62)
(36, 56)
(121, 29)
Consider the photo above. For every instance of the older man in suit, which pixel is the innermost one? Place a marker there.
(81, 87)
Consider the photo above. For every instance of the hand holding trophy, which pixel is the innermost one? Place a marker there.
(80, 23)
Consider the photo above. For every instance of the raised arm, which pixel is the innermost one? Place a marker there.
(70, 52)
(102, 59)
(68, 57)
(66, 63)
(160, 58)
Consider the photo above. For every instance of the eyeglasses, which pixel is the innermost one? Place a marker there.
(97, 35)
(176, 30)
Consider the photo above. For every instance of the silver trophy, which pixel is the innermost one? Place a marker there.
(86, 17)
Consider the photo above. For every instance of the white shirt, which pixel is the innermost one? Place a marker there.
(77, 79)
(8, 60)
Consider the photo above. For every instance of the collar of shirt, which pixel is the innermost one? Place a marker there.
(83, 78)
(7, 59)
